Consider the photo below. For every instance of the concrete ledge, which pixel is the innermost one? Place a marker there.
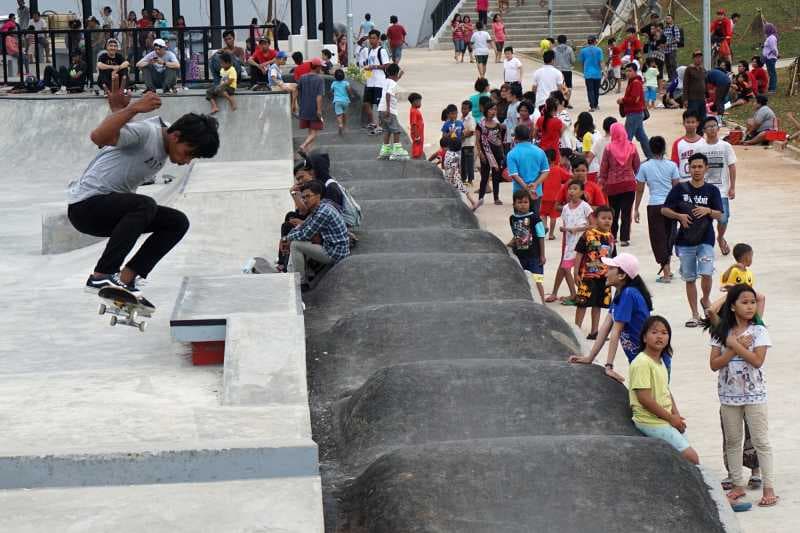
(276, 505)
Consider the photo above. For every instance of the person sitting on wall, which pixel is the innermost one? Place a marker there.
(110, 61)
(259, 62)
(71, 79)
(160, 68)
(236, 52)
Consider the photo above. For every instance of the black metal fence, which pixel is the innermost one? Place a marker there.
(35, 51)
(441, 14)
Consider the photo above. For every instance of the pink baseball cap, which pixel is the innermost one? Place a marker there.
(625, 262)
(316, 62)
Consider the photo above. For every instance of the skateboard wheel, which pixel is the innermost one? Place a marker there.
(113, 321)
(101, 310)
(142, 326)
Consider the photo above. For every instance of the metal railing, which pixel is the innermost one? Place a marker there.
(441, 14)
(191, 46)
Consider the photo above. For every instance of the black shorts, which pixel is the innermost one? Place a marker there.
(594, 293)
(567, 78)
(372, 95)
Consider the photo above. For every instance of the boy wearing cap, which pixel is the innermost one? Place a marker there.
(160, 68)
(311, 88)
(110, 61)
(275, 78)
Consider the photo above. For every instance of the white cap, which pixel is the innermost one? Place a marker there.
(160, 42)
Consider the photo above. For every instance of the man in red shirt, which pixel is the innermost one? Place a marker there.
(396, 34)
(615, 60)
(302, 68)
(632, 105)
(259, 62)
(722, 34)
(759, 78)
(631, 44)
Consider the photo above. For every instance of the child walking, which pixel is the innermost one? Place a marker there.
(341, 98)
(452, 171)
(655, 412)
(528, 240)
(557, 177)
(387, 111)
(739, 347)
(416, 126)
(651, 84)
(227, 84)
(574, 221)
(590, 271)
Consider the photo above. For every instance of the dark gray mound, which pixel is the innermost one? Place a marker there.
(383, 170)
(349, 350)
(418, 213)
(433, 401)
(578, 484)
(400, 189)
(453, 241)
(402, 278)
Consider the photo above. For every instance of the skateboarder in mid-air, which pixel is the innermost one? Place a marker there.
(103, 201)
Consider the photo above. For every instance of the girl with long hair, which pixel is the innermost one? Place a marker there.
(459, 44)
(549, 126)
(489, 137)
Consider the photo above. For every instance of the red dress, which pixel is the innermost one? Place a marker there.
(550, 188)
(415, 119)
(550, 136)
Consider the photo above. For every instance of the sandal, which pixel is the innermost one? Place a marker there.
(568, 301)
(692, 323)
(733, 497)
(591, 336)
(664, 279)
(754, 483)
(740, 507)
(768, 501)
(551, 238)
(723, 246)
(727, 484)
(550, 298)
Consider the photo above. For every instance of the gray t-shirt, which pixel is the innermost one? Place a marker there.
(137, 157)
(565, 57)
(311, 86)
(765, 118)
(168, 57)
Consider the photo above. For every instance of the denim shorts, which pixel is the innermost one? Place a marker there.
(665, 432)
(726, 212)
(696, 261)
(340, 108)
(460, 45)
(650, 93)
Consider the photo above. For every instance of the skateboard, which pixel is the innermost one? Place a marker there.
(123, 307)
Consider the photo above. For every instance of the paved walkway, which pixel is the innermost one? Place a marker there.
(765, 182)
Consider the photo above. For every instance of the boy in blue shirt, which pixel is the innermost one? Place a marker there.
(592, 58)
(452, 128)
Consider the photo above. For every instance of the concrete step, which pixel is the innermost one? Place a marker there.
(278, 505)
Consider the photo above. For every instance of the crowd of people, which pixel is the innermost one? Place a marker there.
(592, 179)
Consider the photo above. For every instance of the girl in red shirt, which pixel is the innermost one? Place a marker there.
(549, 127)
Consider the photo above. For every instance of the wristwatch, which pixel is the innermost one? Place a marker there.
(609, 366)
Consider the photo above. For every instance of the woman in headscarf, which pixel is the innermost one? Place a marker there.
(617, 176)
(770, 53)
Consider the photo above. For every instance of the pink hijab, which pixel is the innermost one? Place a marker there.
(620, 147)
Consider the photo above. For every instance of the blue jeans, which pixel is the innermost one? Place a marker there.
(593, 92)
(773, 75)
(696, 261)
(634, 125)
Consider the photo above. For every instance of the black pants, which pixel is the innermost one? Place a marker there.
(700, 107)
(660, 229)
(496, 177)
(483, 17)
(467, 164)
(124, 217)
(104, 79)
(671, 62)
(720, 95)
(53, 78)
(593, 92)
(622, 204)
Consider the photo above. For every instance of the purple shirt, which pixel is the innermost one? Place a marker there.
(770, 48)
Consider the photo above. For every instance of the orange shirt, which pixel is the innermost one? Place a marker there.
(557, 177)
(417, 123)
(592, 193)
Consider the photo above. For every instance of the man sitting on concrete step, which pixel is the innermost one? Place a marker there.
(322, 236)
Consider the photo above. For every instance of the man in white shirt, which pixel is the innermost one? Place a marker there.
(480, 45)
(547, 79)
(377, 62)
(40, 24)
(721, 173)
(512, 67)
(160, 68)
(684, 147)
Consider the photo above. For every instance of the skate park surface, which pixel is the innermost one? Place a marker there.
(438, 392)
(111, 429)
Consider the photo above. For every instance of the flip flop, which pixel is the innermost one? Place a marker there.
(733, 497)
(550, 298)
(692, 323)
(768, 502)
(727, 484)
(551, 238)
(740, 507)
(568, 301)
(664, 279)
(723, 246)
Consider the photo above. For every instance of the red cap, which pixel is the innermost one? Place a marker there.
(316, 62)
(721, 11)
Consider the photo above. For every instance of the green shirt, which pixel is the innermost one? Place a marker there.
(645, 373)
(476, 109)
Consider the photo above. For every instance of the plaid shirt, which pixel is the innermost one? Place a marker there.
(327, 221)
(673, 35)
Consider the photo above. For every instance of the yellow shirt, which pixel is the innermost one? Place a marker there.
(229, 74)
(645, 373)
(545, 45)
(738, 277)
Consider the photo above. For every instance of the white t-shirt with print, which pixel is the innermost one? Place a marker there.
(572, 218)
(720, 156)
(390, 88)
(547, 79)
(567, 137)
(598, 147)
(511, 70)
(480, 43)
(377, 56)
(682, 150)
(739, 382)
(469, 125)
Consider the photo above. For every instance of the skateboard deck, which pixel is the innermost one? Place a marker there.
(123, 307)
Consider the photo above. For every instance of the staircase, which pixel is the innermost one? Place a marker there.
(526, 25)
